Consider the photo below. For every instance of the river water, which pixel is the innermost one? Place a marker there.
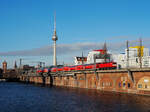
(19, 97)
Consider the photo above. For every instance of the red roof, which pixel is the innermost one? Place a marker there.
(101, 51)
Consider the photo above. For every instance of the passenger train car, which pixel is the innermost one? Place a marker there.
(97, 66)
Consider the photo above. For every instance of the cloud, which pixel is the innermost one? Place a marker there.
(118, 38)
(65, 49)
(48, 50)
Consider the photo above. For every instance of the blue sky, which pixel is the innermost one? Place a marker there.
(28, 24)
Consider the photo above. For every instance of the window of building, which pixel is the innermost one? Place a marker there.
(129, 85)
(124, 84)
(95, 83)
(145, 86)
(139, 85)
(119, 84)
(102, 84)
(110, 84)
(136, 60)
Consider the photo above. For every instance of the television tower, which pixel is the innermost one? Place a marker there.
(54, 38)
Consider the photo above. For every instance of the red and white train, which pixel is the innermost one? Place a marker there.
(97, 66)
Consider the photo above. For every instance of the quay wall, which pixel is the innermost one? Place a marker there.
(125, 81)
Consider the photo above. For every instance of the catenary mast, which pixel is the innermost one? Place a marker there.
(54, 38)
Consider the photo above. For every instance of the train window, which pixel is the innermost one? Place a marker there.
(139, 85)
(128, 85)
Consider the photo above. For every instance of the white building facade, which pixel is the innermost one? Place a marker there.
(95, 56)
(133, 60)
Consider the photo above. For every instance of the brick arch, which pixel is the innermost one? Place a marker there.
(123, 83)
(139, 77)
(106, 83)
(143, 81)
(92, 82)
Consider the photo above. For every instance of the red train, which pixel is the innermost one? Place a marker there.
(97, 66)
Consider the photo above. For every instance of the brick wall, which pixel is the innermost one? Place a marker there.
(106, 81)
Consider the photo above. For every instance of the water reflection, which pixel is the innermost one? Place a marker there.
(16, 97)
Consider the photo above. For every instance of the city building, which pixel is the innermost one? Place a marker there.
(95, 56)
(98, 56)
(133, 58)
(80, 60)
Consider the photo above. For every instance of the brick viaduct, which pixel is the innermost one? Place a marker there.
(136, 81)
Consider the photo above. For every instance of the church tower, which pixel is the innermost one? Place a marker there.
(4, 67)
(15, 65)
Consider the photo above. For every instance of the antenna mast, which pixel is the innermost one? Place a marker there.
(127, 43)
(140, 53)
(55, 22)
(105, 51)
(82, 59)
